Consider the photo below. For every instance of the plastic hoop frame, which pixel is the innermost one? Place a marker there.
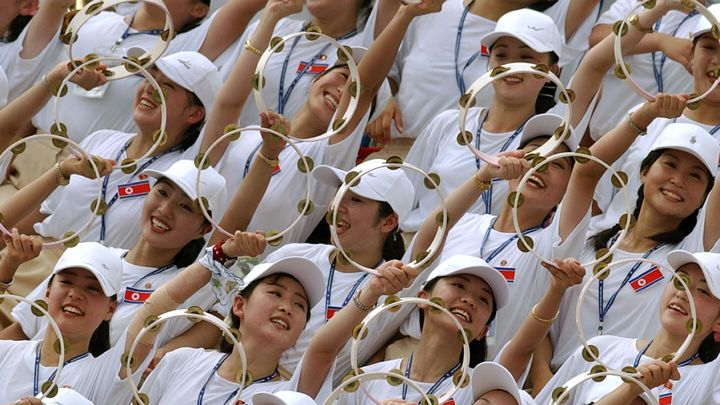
(194, 313)
(467, 101)
(623, 71)
(160, 136)
(525, 242)
(305, 165)
(560, 394)
(96, 206)
(432, 181)
(354, 382)
(392, 304)
(344, 54)
(70, 35)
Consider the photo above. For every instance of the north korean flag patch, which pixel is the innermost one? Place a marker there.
(646, 279)
(508, 273)
(136, 295)
(137, 189)
(313, 69)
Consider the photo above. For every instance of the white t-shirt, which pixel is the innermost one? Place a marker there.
(96, 378)
(279, 206)
(695, 386)
(111, 105)
(138, 280)
(4, 88)
(182, 373)
(617, 97)
(301, 55)
(69, 206)
(634, 312)
(527, 280)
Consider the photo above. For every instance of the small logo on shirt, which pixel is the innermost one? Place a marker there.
(185, 63)
(534, 28)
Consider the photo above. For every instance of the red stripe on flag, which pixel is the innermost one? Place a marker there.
(134, 189)
(507, 272)
(665, 399)
(449, 402)
(136, 296)
(646, 280)
(314, 68)
(484, 51)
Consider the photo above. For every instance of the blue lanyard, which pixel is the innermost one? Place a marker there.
(250, 159)
(712, 131)
(152, 273)
(328, 288)
(504, 244)
(434, 386)
(139, 170)
(487, 195)
(459, 74)
(127, 34)
(217, 366)
(36, 375)
(681, 364)
(658, 70)
(603, 308)
(283, 96)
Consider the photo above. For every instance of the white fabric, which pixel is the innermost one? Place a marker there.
(181, 374)
(34, 327)
(69, 206)
(279, 207)
(695, 386)
(632, 314)
(110, 106)
(531, 281)
(4, 87)
(617, 97)
(303, 52)
(96, 378)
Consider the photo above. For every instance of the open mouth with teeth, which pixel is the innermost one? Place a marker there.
(677, 308)
(512, 79)
(461, 314)
(159, 226)
(280, 323)
(69, 309)
(669, 195)
(330, 101)
(342, 226)
(146, 104)
(536, 182)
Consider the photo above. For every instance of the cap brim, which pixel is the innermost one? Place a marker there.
(712, 168)
(545, 125)
(489, 40)
(679, 258)
(492, 277)
(104, 284)
(189, 191)
(266, 398)
(334, 177)
(302, 269)
(489, 376)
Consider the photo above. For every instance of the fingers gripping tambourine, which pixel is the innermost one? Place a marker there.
(623, 70)
(432, 181)
(97, 206)
(39, 308)
(70, 34)
(344, 54)
(598, 373)
(392, 304)
(305, 165)
(681, 282)
(159, 137)
(194, 313)
(619, 179)
(541, 71)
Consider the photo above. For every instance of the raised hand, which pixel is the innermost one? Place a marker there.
(273, 145)
(665, 106)
(380, 129)
(20, 249)
(80, 165)
(394, 277)
(278, 9)
(424, 7)
(245, 244)
(511, 165)
(565, 273)
(656, 373)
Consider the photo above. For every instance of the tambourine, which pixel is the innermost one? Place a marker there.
(395, 377)
(598, 373)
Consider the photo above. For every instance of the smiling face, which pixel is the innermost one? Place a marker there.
(545, 189)
(326, 92)
(516, 89)
(706, 58)
(675, 308)
(168, 219)
(359, 225)
(275, 312)
(675, 185)
(77, 303)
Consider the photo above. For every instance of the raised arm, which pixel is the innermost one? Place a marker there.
(44, 26)
(653, 374)
(711, 233)
(230, 22)
(578, 12)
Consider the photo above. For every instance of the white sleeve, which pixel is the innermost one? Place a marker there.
(326, 388)
(619, 10)
(191, 40)
(25, 72)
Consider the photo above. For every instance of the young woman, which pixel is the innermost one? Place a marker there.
(14, 16)
(694, 376)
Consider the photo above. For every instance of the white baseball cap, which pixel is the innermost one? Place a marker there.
(102, 262)
(391, 186)
(692, 139)
(464, 264)
(183, 174)
(489, 376)
(545, 125)
(195, 73)
(533, 28)
(67, 396)
(708, 262)
(282, 398)
(703, 25)
(302, 269)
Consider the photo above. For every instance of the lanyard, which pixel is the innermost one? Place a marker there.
(250, 159)
(459, 74)
(139, 170)
(328, 288)
(36, 375)
(487, 195)
(127, 34)
(712, 131)
(152, 273)
(504, 244)
(215, 369)
(284, 96)
(658, 70)
(681, 364)
(434, 386)
(603, 308)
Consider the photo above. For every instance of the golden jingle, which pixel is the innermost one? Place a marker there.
(200, 203)
(89, 57)
(540, 68)
(677, 284)
(343, 258)
(152, 320)
(235, 332)
(394, 381)
(457, 379)
(198, 161)
(306, 207)
(715, 31)
(2, 217)
(162, 136)
(564, 99)
(439, 219)
(18, 149)
(342, 53)
(72, 239)
(353, 89)
(430, 179)
(668, 357)
(537, 161)
(156, 96)
(338, 123)
(464, 138)
(94, 7)
(58, 143)
(598, 369)
(108, 73)
(126, 360)
(688, 4)
(394, 160)
(196, 310)
(101, 209)
(275, 41)
(71, 65)
(144, 399)
(328, 220)
(560, 130)
(40, 303)
(391, 300)
(599, 267)
(349, 177)
(128, 165)
(313, 28)
(67, 38)
(245, 378)
(420, 257)
(557, 393)
(695, 104)
(590, 353)
(356, 332)
(619, 29)
(649, 4)
(351, 387)
(694, 325)
(625, 220)
(525, 244)
(467, 101)
(468, 333)
(433, 400)
(57, 90)
(619, 180)
(257, 84)
(305, 164)
(165, 35)
(49, 388)
(629, 370)
(620, 74)
(438, 301)
(583, 151)
(515, 199)
(132, 68)
(277, 241)
(604, 252)
(498, 70)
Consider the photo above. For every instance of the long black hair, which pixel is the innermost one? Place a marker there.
(394, 246)
(17, 25)
(673, 237)
(478, 348)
